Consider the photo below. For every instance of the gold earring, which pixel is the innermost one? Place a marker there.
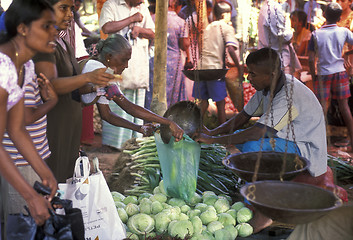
(24, 34)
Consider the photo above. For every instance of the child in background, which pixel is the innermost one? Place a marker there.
(219, 36)
(331, 78)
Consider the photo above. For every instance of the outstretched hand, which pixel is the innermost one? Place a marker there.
(148, 129)
(47, 91)
(100, 77)
(201, 137)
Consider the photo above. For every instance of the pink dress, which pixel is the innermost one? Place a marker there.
(9, 79)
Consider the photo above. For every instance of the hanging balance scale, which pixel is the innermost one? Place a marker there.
(268, 173)
(196, 40)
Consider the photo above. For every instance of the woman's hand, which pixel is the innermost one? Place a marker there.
(38, 207)
(148, 129)
(50, 181)
(47, 91)
(177, 131)
(100, 77)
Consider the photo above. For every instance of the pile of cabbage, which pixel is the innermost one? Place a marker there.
(206, 216)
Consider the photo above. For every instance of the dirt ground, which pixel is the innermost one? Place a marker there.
(110, 161)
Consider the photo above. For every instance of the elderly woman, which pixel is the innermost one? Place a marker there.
(30, 29)
(114, 53)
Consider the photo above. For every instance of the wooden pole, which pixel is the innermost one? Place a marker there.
(159, 100)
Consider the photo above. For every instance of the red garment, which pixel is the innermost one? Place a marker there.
(87, 134)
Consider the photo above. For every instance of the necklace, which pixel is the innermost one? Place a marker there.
(19, 72)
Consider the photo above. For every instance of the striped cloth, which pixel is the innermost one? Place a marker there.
(115, 136)
(37, 130)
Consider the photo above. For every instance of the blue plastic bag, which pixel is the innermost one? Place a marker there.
(179, 164)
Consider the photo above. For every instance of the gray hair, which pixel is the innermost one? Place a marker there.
(115, 43)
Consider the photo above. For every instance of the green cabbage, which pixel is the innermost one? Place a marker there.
(123, 215)
(143, 195)
(210, 199)
(156, 207)
(183, 216)
(176, 202)
(201, 206)
(244, 229)
(132, 209)
(232, 212)
(132, 236)
(120, 205)
(141, 223)
(221, 205)
(117, 196)
(226, 219)
(237, 206)
(185, 208)
(232, 230)
(162, 221)
(160, 197)
(180, 228)
(244, 215)
(195, 199)
(197, 224)
(130, 199)
(208, 216)
(161, 187)
(222, 234)
(145, 206)
(194, 212)
(214, 226)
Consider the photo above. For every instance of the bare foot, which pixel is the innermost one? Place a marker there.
(259, 221)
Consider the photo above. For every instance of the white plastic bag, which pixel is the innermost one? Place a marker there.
(91, 194)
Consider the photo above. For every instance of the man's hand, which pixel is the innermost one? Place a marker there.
(137, 17)
(38, 207)
(148, 129)
(201, 137)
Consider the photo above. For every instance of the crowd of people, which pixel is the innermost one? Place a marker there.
(42, 85)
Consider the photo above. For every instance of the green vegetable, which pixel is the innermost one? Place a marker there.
(208, 216)
(237, 206)
(130, 199)
(145, 206)
(232, 212)
(117, 196)
(185, 208)
(123, 215)
(221, 205)
(132, 236)
(244, 229)
(244, 215)
(226, 219)
(214, 226)
(183, 216)
(161, 187)
(207, 236)
(195, 199)
(201, 206)
(162, 221)
(173, 212)
(140, 223)
(144, 195)
(210, 199)
(180, 228)
(176, 202)
(156, 207)
(223, 234)
(194, 212)
(197, 224)
(232, 230)
(132, 209)
(120, 205)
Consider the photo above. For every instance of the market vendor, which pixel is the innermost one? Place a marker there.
(299, 125)
(308, 138)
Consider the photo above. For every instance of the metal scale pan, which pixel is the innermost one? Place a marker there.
(243, 165)
(283, 201)
(205, 74)
(290, 202)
